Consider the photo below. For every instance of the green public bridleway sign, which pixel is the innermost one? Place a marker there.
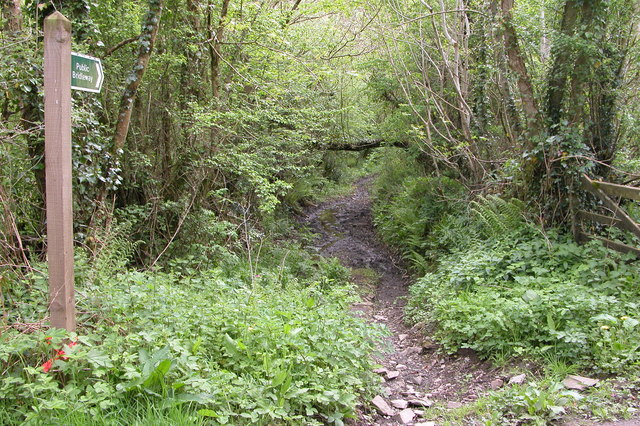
(86, 73)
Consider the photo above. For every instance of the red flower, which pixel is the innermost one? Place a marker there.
(60, 354)
(47, 340)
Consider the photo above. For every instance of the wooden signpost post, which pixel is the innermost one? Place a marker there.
(62, 72)
(57, 136)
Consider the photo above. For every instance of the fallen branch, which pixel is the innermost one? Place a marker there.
(365, 144)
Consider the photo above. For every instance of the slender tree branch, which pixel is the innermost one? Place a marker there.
(119, 45)
(442, 12)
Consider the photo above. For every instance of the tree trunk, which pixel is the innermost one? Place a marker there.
(510, 118)
(604, 90)
(13, 15)
(560, 69)
(581, 71)
(147, 40)
(215, 43)
(545, 44)
(31, 113)
(517, 64)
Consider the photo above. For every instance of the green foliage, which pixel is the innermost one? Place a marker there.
(94, 165)
(618, 343)
(535, 295)
(408, 209)
(534, 403)
(543, 401)
(179, 345)
(189, 155)
(503, 287)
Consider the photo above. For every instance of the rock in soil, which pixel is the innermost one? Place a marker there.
(496, 384)
(416, 380)
(579, 382)
(421, 402)
(382, 406)
(392, 375)
(405, 416)
(400, 404)
(517, 380)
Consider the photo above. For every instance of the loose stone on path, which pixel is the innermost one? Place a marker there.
(400, 404)
(496, 384)
(421, 402)
(579, 382)
(382, 406)
(405, 416)
(392, 375)
(517, 380)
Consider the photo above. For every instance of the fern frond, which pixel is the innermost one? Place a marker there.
(498, 216)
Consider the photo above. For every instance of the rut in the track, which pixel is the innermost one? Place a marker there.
(345, 230)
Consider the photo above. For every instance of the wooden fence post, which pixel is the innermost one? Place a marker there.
(57, 134)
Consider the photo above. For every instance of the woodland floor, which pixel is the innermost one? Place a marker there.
(424, 374)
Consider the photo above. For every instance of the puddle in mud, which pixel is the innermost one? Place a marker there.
(328, 221)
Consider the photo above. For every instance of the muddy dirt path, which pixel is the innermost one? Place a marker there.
(416, 376)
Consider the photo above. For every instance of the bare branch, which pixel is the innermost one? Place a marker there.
(119, 45)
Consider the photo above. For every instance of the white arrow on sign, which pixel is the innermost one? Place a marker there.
(100, 75)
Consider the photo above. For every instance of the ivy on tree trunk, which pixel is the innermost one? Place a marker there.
(147, 39)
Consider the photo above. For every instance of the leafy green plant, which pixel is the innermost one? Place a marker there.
(543, 401)
(533, 295)
(535, 403)
(408, 209)
(616, 343)
(216, 343)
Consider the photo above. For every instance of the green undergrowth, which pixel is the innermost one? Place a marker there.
(410, 209)
(492, 281)
(268, 342)
(339, 170)
(535, 295)
(543, 400)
